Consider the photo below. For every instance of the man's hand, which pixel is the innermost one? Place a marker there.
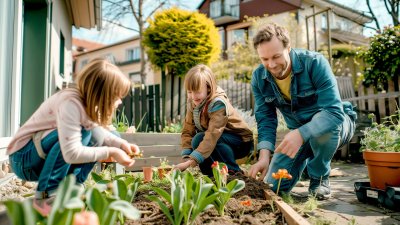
(260, 166)
(120, 156)
(290, 144)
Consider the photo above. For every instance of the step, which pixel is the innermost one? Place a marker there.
(146, 139)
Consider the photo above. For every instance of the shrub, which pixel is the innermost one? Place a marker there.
(383, 57)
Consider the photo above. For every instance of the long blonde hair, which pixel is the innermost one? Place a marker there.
(196, 77)
(100, 84)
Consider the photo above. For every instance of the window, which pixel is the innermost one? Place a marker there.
(135, 79)
(237, 37)
(221, 32)
(62, 53)
(133, 54)
(84, 62)
(110, 58)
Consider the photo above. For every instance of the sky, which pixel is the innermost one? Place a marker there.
(112, 33)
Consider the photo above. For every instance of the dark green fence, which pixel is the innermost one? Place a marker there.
(143, 107)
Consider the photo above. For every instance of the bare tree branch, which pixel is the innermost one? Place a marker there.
(120, 25)
(373, 15)
(393, 10)
(154, 10)
(133, 10)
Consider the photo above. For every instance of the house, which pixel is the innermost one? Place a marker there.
(36, 53)
(125, 54)
(230, 17)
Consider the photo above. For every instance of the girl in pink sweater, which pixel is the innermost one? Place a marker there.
(66, 134)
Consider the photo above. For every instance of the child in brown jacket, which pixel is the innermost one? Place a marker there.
(213, 130)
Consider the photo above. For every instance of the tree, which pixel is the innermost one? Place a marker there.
(242, 58)
(392, 7)
(116, 12)
(177, 40)
(382, 57)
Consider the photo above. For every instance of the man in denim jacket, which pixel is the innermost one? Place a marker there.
(301, 85)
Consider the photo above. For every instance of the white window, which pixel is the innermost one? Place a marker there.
(133, 54)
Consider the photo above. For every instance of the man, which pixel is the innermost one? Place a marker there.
(301, 85)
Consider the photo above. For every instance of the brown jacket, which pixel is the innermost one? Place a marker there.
(214, 124)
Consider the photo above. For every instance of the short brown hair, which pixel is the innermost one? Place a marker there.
(267, 32)
(100, 84)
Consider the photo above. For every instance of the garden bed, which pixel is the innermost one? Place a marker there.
(255, 204)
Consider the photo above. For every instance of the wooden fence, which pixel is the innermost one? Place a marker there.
(143, 107)
(369, 100)
(239, 93)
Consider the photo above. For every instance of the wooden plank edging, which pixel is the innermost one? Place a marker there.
(290, 215)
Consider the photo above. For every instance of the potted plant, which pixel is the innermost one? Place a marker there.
(381, 152)
(164, 168)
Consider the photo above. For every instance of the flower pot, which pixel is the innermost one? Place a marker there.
(147, 174)
(162, 171)
(383, 168)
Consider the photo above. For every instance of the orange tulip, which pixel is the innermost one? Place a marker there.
(246, 203)
(281, 174)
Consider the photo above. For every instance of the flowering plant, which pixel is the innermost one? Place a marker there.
(281, 174)
(384, 137)
(220, 172)
(382, 57)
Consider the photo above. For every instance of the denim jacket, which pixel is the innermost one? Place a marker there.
(315, 107)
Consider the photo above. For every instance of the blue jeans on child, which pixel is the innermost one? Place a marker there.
(49, 172)
(316, 154)
(229, 147)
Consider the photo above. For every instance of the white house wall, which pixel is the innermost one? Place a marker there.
(60, 24)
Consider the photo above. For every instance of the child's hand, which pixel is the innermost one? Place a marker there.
(183, 166)
(130, 149)
(121, 157)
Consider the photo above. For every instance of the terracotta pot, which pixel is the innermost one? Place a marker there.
(147, 173)
(162, 171)
(383, 168)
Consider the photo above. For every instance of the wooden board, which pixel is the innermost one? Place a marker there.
(290, 215)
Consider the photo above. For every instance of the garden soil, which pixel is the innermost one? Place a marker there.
(259, 211)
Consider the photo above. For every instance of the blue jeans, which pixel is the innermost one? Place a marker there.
(49, 172)
(229, 147)
(316, 154)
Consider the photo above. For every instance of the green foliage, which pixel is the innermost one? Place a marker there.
(384, 137)
(177, 40)
(224, 190)
(383, 57)
(120, 121)
(68, 201)
(173, 128)
(188, 197)
(242, 59)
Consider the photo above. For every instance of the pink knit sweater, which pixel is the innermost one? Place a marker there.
(65, 112)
